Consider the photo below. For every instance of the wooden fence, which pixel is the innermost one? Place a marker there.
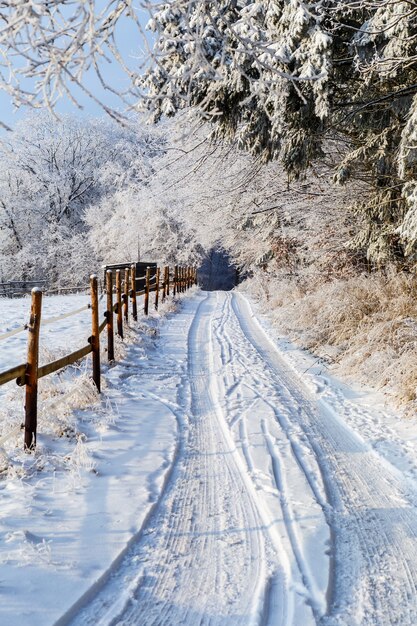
(161, 284)
(15, 288)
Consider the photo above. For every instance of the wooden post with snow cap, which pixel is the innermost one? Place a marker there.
(109, 315)
(133, 292)
(31, 377)
(119, 304)
(95, 335)
(158, 274)
(126, 295)
(147, 286)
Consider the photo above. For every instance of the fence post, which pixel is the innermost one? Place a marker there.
(167, 280)
(146, 299)
(164, 284)
(158, 274)
(175, 285)
(31, 377)
(126, 296)
(95, 335)
(133, 292)
(119, 304)
(109, 315)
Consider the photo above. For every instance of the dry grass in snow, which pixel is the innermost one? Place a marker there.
(365, 325)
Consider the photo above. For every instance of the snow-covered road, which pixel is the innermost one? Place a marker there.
(275, 511)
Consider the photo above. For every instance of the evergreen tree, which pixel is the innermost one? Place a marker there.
(286, 77)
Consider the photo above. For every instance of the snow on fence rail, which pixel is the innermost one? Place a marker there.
(27, 374)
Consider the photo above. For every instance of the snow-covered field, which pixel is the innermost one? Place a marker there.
(60, 334)
(64, 335)
(223, 477)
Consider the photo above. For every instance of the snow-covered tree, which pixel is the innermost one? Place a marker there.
(283, 77)
(258, 70)
(133, 222)
(278, 77)
(205, 196)
(47, 48)
(52, 171)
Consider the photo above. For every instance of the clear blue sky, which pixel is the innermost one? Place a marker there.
(131, 48)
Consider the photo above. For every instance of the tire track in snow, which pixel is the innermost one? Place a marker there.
(208, 545)
(204, 555)
(290, 521)
(374, 578)
(268, 406)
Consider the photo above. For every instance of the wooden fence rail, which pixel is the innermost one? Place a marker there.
(27, 374)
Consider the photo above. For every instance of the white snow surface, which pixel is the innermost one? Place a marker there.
(224, 477)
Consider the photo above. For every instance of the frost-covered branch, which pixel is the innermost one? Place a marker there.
(45, 47)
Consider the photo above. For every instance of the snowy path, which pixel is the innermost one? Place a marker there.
(275, 511)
